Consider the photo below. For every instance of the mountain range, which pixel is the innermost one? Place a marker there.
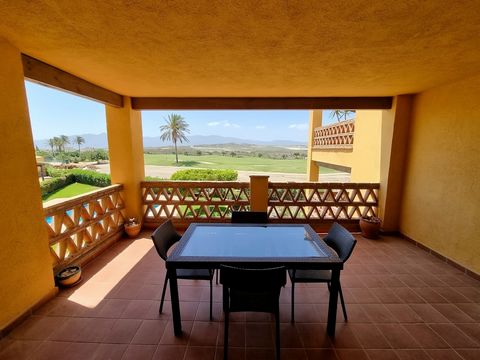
(100, 141)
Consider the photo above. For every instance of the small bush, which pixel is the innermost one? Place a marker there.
(153, 178)
(205, 174)
(51, 185)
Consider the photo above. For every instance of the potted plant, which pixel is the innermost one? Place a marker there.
(69, 276)
(132, 227)
(370, 226)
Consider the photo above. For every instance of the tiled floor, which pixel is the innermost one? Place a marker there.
(402, 303)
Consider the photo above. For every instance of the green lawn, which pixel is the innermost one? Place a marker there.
(71, 190)
(248, 163)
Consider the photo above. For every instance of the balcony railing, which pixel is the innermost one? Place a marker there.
(79, 227)
(336, 136)
(185, 202)
(318, 204)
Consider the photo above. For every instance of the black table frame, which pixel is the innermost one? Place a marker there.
(331, 262)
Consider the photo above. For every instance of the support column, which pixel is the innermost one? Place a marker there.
(25, 260)
(313, 170)
(394, 145)
(125, 146)
(258, 193)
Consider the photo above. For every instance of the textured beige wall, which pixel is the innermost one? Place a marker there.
(25, 264)
(441, 202)
(125, 146)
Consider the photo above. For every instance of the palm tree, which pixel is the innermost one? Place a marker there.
(64, 140)
(57, 142)
(79, 141)
(174, 130)
(339, 114)
(51, 143)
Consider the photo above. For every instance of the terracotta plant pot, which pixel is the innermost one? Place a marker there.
(132, 230)
(370, 226)
(69, 276)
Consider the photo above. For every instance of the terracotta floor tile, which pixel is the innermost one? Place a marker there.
(313, 335)
(470, 292)
(345, 338)
(370, 336)
(113, 308)
(451, 294)
(443, 354)
(149, 332)
(425, 336)
(428, 313)
(200, 353)
(412, 354)
(351, 354)
(168, 338)
(397, 337)
(95, 330)
(454, 336)
(110, 351)
(169, 352)
(408, 295)
(364, 296)
(82, 351)
(453, 313)
(137, 309)
(289, 337)
(139, 352)
(259, 335)
(234, 353)
(472, 330)
(386, 296)
(38, 327)
(403, 313)
(379, 313)
(469, 354)
(204, 333)
(382, 355)
(236, 334)
(324, 354)
(260, 353)
(70, 330)
(471, 309)
(430, 295)
(123, 331)
(50, 350)
(19, 349)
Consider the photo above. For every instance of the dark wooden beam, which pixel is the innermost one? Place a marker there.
(51, 76)
(260, 103)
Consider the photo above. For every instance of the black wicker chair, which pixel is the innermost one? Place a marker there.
(164, 237)
(342, 241)
(252, 290)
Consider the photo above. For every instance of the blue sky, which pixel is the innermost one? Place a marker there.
(54, 113)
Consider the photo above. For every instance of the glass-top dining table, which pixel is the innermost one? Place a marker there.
(295, 246)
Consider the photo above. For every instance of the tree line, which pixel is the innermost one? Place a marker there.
(58, 143)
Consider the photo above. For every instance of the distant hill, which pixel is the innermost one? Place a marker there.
(100, 141)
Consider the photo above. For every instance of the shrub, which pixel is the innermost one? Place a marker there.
(205, 174)
(51, 185)
(91, 177)
(153, 178)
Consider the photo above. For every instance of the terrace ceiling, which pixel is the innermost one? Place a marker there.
(207, 48)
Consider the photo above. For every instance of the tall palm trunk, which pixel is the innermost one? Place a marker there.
(176, 152)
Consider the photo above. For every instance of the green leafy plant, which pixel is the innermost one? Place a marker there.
(205, 174)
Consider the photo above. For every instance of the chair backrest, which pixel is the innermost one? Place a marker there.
(249, 217)
(164, 237)
(341, 240)
(252, 289)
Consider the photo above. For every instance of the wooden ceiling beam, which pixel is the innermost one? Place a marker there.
(42, 73)
(260, 103)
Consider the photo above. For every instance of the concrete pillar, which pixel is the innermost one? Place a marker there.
(394, 147)
(312, 167)
(125, 145)
(258, 193)
(25, 261)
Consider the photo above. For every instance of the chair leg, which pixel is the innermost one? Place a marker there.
(343, 302)
(293, 303)
(277, 334)
(211, 285)
(216, 276)
(225, 338)
(163, 293)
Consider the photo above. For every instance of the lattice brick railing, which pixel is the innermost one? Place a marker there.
(336, 136)
(193, 201)
(317, 202)
(79, 225)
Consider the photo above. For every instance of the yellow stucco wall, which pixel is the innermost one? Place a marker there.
(365, 158)
(312, 167)
(25, 264)
(441, 198)
(125, 146)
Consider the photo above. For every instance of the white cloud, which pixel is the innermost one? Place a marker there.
(302, 126)
(260, 127)
(213, 123)
(224, 123)
(229, 124)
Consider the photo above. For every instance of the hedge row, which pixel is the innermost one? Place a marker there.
(205, 174)
(62, 178)
(51, 185)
